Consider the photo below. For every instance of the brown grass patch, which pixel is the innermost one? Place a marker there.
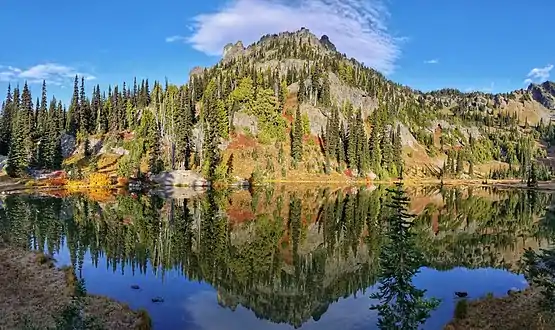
(516, 311)
(32, 293)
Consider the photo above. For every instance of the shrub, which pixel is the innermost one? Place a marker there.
(99, 180)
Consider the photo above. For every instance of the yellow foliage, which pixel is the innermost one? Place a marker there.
(107, 161)
(99, 180)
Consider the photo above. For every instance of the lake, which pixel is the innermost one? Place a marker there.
(285, 257)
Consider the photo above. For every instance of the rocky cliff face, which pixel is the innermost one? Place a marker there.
(544, 94)
(233, 50)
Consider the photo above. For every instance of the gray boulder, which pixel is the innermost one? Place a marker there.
(184, 178)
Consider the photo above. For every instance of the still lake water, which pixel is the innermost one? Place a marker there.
(281, 257)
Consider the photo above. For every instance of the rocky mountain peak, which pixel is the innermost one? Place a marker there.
(233, 50)
(544, 93)
(325, 40)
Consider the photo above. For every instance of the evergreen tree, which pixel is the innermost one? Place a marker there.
(8, 112)
(74, 118)
(26, 122)
(398, 149)
(183, 124)
(42, 115)
(297, 137)
(211, 155)
(301, 94)
(460, 164)
(387, 150)
(84, 110)
(352, 139)
(375, 147)
(282, 96)
(17, 159)
(155, 152)
(532, 176)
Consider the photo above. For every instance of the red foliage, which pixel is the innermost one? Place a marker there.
(348, 173)
(56, 182)
(238, 215)
(241, 141)
(289, 118)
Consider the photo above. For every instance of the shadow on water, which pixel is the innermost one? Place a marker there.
(280, 258)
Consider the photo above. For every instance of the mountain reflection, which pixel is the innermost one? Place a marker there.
(286, 255)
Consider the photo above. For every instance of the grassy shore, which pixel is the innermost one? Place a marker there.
(517, 311)
(34, 294)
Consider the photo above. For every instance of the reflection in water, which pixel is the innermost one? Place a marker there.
(286, 256)
(401, 304)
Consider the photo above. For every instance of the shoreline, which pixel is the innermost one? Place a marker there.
(34, 294)
(518, 310)
(8, 186)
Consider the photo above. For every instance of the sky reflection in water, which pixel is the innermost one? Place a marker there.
(322, 251)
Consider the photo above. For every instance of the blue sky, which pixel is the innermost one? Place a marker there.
(491, 46)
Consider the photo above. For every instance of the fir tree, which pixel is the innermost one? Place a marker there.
(282, 96)
(84, 110)
(155, 152)
(8, 112)
(183, 123)
(17, 159)
(297, 137)
(398, 149)
(74, 118)
(302, 90)
(211, 155)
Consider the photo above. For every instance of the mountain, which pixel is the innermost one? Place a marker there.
(289, 106)
(435, 128)
(544, 94)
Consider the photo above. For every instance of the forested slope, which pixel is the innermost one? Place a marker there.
(287, 107)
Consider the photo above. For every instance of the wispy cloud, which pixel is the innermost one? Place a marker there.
(357, 27)
(432, 61)
(52, 73)
(538, 75)
(176, 38)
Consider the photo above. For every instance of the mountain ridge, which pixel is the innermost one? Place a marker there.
(292, 100)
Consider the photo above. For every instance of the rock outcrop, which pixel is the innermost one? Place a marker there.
(183, 178)
(544, 93)
(325, 40)
(231, 51)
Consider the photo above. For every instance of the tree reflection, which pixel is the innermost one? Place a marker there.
(286, 255)
(401, 304)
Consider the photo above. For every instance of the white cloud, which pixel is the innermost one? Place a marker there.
(432, 61)
(52, 73)
(539, 74)
(357, 27)
(176, 38)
